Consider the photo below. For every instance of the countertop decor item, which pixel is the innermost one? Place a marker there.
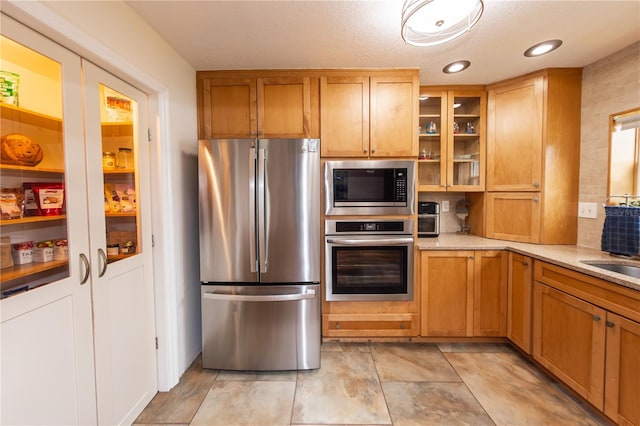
(621, 232)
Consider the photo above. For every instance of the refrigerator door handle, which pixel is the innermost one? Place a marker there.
(252, 210)
(213, 295)
(262, 222)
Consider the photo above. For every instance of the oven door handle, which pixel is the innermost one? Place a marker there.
(381, 242)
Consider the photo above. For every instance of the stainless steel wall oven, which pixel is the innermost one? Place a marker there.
(369, 187)
(369, 260)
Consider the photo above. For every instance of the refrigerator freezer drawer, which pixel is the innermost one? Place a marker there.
(261, 328)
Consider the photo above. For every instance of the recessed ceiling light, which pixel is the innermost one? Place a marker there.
(542, 48)
(456, 66)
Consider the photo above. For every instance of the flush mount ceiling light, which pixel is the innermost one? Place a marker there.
(456, 66)
(433, 22)
(542, 48)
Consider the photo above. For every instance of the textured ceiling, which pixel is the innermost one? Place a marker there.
(267, 34)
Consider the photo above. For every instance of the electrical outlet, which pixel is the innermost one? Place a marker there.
(588, 210)
(445, 206)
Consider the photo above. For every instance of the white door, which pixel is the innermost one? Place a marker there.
(121, 254)
(46, 334)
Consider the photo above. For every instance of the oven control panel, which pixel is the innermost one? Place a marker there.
(338, 227)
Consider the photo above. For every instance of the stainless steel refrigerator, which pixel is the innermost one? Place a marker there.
(260, 253)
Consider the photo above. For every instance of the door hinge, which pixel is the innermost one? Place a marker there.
(149, 134)
(153, 241)
(156, 343)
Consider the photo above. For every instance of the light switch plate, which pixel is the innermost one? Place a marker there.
(588, 210)
(445, 206)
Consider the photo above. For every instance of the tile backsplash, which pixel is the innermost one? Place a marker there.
(448, 220)
(609, 86)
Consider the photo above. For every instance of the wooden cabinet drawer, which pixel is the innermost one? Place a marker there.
(615, 298)
(369, 325)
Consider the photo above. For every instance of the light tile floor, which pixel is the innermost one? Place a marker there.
(378, 384)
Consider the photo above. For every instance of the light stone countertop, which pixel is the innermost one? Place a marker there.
(568, 256)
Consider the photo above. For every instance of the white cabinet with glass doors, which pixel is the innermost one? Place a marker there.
(451, 135)
(77, 325)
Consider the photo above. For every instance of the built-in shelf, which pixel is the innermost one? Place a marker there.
(19, 271)
(31, 219)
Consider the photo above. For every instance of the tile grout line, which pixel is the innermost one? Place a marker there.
(444, 355)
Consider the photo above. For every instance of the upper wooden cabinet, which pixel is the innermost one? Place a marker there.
(452, 139)
(344, 116)
(254, 106)
(365, 115)
(533, 145)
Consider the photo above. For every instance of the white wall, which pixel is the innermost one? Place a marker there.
(111, 35)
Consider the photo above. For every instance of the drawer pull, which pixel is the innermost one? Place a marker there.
(402, 326)
(337, 326)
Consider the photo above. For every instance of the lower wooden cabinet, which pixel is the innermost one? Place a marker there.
(569, 340)
(621, 397)
(463, 293)
(581, 336)
(519, 300)
(490, 293)
(370, 325)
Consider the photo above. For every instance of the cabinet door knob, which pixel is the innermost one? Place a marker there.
(525, 263)
(596, 317)
(536, 199)
(471, 257)
(87, 268)
(536, 185)
(337, 326)
(610, 324)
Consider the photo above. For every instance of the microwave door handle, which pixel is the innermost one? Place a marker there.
(385, 242)
(252, 209)
(262, 219)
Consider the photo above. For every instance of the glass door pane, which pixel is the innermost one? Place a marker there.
(119, 148)
(432, 140)
(466, 141)
(33, 226)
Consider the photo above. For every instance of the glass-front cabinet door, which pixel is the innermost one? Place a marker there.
(465, 170)
(119, 195)
(432, 136)
(32, 166)
(46, 318)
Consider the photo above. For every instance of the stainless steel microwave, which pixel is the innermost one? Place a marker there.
(369, 187)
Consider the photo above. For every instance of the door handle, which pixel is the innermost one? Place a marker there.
(262, 214)
(103, 261)
(252, 210)
(309, 294)
(87, 269)
(385, 242)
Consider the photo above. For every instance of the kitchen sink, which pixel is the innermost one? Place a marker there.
(621, 268)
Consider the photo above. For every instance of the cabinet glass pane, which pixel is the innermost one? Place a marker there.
(466, 141)
(430, 140)
(33, 227)
(119, 147)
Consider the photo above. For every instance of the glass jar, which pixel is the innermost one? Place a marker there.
(108, 160)
(125, 158)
